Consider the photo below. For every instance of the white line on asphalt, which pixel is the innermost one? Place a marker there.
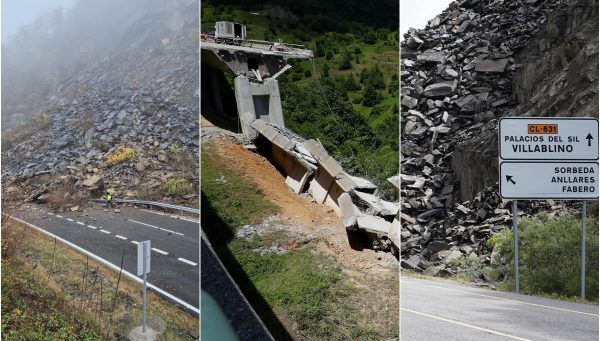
(69, 219)
(50, 213)
(466, 325)
(80, 223)
(121, 237)
(156, 227)
(136, 243)
(173, 216)
(187, 261)
(58, 215)
(112, 266)
(92, 227)
(501, 298)
(160, 251)
(104, 231)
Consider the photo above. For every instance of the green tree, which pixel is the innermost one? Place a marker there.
(326, 70)
(371, 96)
(329, 55)
(346, 63)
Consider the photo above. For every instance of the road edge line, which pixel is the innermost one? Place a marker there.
(111, 265)
(503, 299)
(491, 331)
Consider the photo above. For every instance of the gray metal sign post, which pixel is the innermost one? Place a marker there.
(583, 218)
(516, 244)
(143, 268)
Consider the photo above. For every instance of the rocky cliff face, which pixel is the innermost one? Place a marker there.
(474, 63)
(141, 94)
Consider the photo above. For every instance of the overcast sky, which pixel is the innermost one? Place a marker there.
(416, 13)
(16, 13)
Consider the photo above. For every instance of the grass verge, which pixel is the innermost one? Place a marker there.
(305, 290)
(53, 292)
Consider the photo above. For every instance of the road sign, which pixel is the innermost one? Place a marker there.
(528, 138)
(549, 180)
(140, 258)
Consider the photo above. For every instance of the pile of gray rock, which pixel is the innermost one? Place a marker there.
(457, 79)
(144, 98)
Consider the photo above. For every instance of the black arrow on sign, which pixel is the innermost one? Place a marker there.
(589, 138)
(509, 178)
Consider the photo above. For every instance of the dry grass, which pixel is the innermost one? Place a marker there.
(84, 122)
(121, 154)
(91, 288)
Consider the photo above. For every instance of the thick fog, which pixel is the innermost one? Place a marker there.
(43, 54)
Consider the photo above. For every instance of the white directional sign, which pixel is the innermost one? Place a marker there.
(548, 180)
(548, 158)
(548, 139)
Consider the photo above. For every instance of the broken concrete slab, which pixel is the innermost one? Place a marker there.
(349, 211)
(373, 224)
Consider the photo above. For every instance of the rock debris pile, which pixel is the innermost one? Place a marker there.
(127, 122)
(456, 79)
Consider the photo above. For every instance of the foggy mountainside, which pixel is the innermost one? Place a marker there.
(104, 95)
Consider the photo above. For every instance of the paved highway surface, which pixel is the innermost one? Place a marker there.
(443, 310)
(174, 242)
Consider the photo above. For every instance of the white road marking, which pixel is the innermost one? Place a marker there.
(156, 227)
(104, 231)
(160, 251)
(112, 266)
(92, 227)
(50, 213)
(121, 237)
(500, 298)
(187, 261)
(69, 219)
(80, 223)
(173, 216)
(466, 325)
(58, 215)
(133, 241)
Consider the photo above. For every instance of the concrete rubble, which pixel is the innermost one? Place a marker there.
(459, 75)
(310, 169)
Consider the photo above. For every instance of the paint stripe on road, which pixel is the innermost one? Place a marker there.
(58, 215)
(466, 325)
(173, 216)
(136, 243)
(80, 223)
(156, 227)
(50, 213)
(69, 219)
(92, 227)
(186, 261)
(160, 251)
(104, 231)
(121, 237)
(500, 298)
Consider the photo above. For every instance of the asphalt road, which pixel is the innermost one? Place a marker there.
(442, 310)
(174, 242)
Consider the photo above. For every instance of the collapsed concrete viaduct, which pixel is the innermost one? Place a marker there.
(307, 165)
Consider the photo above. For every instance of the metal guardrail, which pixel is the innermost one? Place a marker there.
(155, 203)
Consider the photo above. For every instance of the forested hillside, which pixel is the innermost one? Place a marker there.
(347, 96)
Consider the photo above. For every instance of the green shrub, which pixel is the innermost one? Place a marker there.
(178, 185)
(549, 255)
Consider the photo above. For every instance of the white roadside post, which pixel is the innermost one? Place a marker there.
(143, 268)
(548, 158)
